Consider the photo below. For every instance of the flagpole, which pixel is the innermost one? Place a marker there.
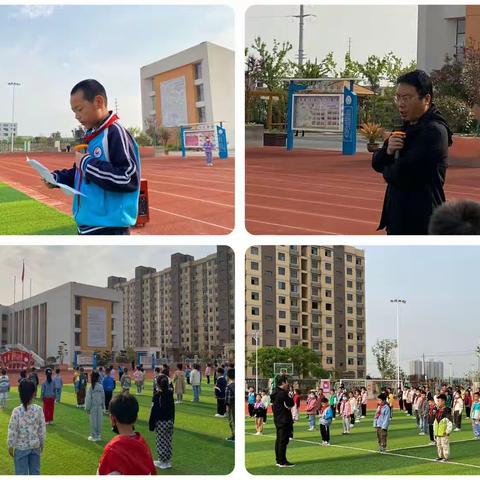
(22, 330)
(12, 331)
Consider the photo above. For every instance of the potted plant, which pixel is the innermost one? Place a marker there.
(372, 132)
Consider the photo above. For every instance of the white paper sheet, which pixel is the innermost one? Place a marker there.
(48, 177)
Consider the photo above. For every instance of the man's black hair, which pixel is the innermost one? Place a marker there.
(220, 370)
(282, 380)
(90, 88)
(124, 407)
(461, 217)
(231, 374)
(420, 80)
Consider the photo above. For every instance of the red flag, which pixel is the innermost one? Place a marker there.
(23, 271)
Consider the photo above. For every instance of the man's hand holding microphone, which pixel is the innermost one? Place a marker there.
(395, 143)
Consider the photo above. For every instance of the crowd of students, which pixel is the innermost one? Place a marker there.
(128, 452)
(437, 413)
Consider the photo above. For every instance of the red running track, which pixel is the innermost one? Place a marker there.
(186, 197)
(307, 192)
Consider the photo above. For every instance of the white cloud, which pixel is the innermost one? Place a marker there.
(35, 11)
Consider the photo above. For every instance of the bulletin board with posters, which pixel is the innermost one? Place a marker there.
(96, 324)
(317, 112)
(195, 136)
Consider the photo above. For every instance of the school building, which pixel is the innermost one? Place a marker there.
(312, 296)
(6, 130)
(445, 30)
(196, 85)
(182, 311)
(87, 318)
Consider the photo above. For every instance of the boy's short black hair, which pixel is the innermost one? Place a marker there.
(442, 396)
(124, 407)
(420, 80)
(220, 370)
(4, 372)
(90, 88)
(382, 397)
(324, 400)
(461, 217)
(231, 373)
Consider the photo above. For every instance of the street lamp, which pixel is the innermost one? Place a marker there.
(398, 302)
(13, 85)
(256, 337)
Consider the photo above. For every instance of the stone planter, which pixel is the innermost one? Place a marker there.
(254, 135)
(373, 147)
(271, 139)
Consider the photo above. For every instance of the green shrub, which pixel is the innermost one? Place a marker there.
(457, 113)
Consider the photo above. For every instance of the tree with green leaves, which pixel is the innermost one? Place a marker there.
(383, 353)
(351, 68)
(273, 65)
(304, 360)
(267, 356)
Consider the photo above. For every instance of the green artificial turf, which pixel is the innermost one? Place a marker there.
(21, 215)
(356, 454)
(199, 445)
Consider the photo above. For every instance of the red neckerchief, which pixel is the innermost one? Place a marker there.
(379, 411)
(111, 119)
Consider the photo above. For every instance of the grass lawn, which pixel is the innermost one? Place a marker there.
(199, 445)
(356, 454)
(21, 215)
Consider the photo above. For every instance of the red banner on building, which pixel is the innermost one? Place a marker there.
(16, 359)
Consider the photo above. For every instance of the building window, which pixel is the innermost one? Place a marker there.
(281, 256)
(329, 333)
(77, 339)
(350, 323)
(78, 303)
(255, 311)
(349, 271)
(281, 271)
(349, 258)
(328, 306)
(350, 348)
(350, 336)
(254, 265)
(200, 95)
(254, 250)
(349, 284)
(282, 314)
(282, 328)
(255, 296)
(329, 347)
(198, 71)
(349, 297)
(328, 293)
(255, 326)
(77, 320)
(281, 300)
(202, 116)
(460, 39)
(329, 320)
(350, 310)
(255, 281)
(350, 361)
(281, 285)
(282, 343)
(329, 361)
(328, 280)
(328, 266)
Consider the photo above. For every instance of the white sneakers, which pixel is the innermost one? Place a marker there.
(93, 439)
(162, 465)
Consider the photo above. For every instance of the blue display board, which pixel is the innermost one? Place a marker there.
(350, 108)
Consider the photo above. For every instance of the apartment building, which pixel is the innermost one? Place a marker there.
(308, 295)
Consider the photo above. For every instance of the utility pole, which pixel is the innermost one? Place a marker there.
(301, 17)
(13, 85)
(349, 46)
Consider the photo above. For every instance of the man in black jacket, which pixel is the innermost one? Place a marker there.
(282, 403)
(413, 161)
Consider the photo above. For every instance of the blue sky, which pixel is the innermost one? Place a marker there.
(42, 264)
(48, 49)
(442, 312)
(373, 29)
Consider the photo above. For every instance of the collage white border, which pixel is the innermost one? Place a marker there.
(239, 240)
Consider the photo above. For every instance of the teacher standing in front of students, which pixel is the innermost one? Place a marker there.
(413, 161)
